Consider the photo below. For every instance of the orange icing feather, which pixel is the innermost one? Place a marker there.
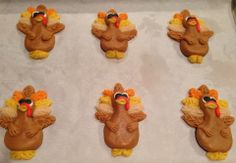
(30, 9)
(40, 95)
(130, 92)
(102, 15)
(214, 93)
(51, 11)
(123, 16)
(107, 92)
(17, 95)
(195, 93)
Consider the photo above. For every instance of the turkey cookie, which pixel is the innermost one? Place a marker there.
(114, 32)
(192, 33)
(39, 26)
(120, 111)
(211, 117)
(24, 116)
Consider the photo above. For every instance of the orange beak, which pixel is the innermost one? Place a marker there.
(123, 101)
(41, 18)
(213, 105)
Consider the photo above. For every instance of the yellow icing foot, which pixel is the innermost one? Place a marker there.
(111, 54)
(195, 59)
(199, 59)
(115, 54)
(127, 152)
(116, 152)
(23, 155)
(120, 55)
(192, 59)
(38, 54)
(121, 152)
(217, 155)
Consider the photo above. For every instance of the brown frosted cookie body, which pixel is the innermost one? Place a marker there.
(120, 111)
(192, 34)
(21, 141)
(24, 117)
(211, 118)
(114, 32)
(122, 138)
(39, 25)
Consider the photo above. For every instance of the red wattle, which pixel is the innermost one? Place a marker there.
(29, 110)
(117, 23)
(198, 26)
(127, 104)
(44, 20)
(217, 111)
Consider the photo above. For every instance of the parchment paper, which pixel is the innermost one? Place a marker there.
(77, 71)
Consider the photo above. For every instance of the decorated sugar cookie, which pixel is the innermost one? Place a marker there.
(39, 26)
(24, 116)
(211, 117)
(192, 34)
(114, 32)
(120, 111)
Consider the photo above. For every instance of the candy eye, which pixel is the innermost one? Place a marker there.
(44, 14)
(116, 15)
(36, 13)
(21, 101)
(31, 104)
(206, 99)
(190, 18)
(117, 94)
(27, 101)
(111, 15)
(125, 94)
